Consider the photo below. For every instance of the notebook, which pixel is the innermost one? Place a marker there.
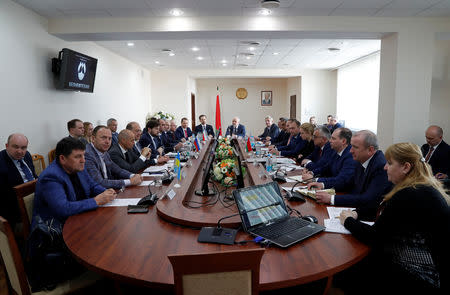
(263, 213)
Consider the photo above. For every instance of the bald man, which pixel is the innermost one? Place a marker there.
(235, 129)
(123, 155)
(16, 167)
(436, 152)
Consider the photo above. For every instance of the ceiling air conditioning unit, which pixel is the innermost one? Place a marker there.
(269, 4)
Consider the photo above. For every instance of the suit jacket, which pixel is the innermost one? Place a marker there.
(293, 148)
(55, 196)
(281, 139)
(306, 150)
(336, 126)
(179, 133)
(339, 172)
(369, 186)
(199, 129)
(318, 161)
(135, 163)
(114, 138)
(116, 175)
(271, 131)
(146, 141)
(10, 177)
(440, 160)
(240, 130)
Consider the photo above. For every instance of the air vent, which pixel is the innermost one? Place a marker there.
(246, 54)
(333, 49)
(250, 43)
(242, 65)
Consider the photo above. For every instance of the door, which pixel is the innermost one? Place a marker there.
(193, 111)
(293, 110)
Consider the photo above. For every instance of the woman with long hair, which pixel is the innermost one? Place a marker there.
(88, 128)
(409, 244)
(306, 132)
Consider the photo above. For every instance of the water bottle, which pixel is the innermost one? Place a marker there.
(252, 142)
(269, 163)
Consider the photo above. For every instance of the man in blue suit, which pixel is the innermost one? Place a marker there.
(334, 124)
(65, 188)
(112, 125)
(16, 167)
(271, 130)
(436, 152)
(283, 136)
(295, 143)
(235, 128)
(370, 181)
(203, 128)
(152, 140)
(100, 166)
(322, 152)
(340, 170)
(183, 132)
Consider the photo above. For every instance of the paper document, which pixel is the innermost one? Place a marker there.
(146, 183)
(122, 202)
(333, 225)
(288, 188)
(152, 174)
(157, 168)
(295, 178)
(284, 161)
(334, 212)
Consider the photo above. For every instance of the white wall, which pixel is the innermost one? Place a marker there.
(318, 95)
(249, 110)
(29, 102)
(440, 88)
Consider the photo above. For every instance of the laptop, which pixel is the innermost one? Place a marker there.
(263, 213)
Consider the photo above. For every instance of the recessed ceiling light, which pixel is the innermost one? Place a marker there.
(176, 12)
(157, 62)
(248, 57)
(275, 53)
(171, 54)
(224, 61)
(195, 48)
(224, 64)
(251, 48)
(130, 44)
(265, 11)
(200, 57)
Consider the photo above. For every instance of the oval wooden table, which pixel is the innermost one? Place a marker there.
(133, 248)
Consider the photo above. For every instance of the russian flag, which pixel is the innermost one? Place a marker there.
(197, 144)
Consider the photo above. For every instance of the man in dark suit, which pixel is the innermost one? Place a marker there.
(137, 131)
(235, 128)
(168, 138)
(340, 170)
(370, 182)
(152, 140)
(16, 167)
(76, 130)
(112, 125)
(322, 152)
(334, 124)
(123, 155)
(183, 132)
(295, 143)
(284, 134)
(100, 166)
(203, 128)
(271, 130)
(171, 132)
(437, 152)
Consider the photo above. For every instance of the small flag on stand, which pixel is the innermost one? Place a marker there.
(197, 144)
(177, 167)
(249, 145)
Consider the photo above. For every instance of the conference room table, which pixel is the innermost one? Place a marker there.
(133, 248)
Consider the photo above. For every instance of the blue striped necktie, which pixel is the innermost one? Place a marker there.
(26, 170)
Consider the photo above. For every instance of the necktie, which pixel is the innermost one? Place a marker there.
(430, 151)
(154, 143)
(185, 133)
(127, 157)
(105, 173)
(289, 140)
(320, 153)
(25, 170)
(235, 130)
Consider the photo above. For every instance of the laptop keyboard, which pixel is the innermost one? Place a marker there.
(278, 229)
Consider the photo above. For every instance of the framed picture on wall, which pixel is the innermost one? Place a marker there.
(266, 98)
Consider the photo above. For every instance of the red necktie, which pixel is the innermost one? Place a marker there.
(185, 133)
(430, 151)
(320, 153)
(289, 140)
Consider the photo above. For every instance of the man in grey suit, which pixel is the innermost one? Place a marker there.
(125, 157)
(100, 166)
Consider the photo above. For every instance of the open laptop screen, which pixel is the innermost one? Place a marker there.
(260, 204)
